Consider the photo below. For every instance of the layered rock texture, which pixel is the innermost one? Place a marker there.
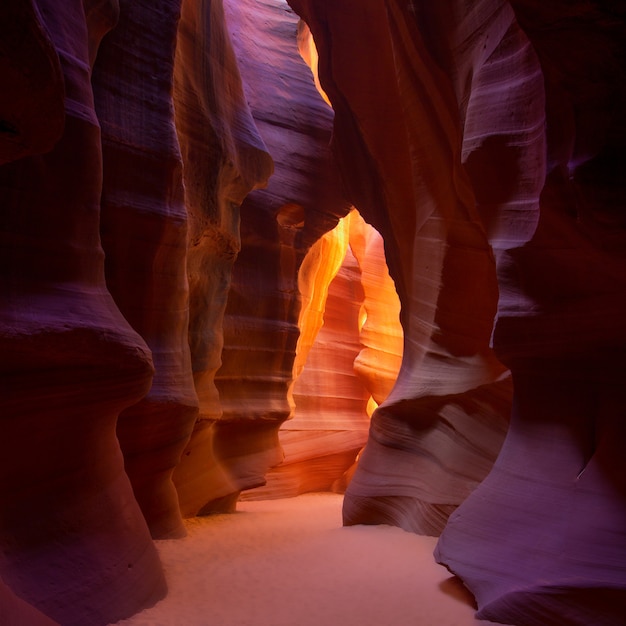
(278, 224)
(169, 296)
(437, 433)
(74, 542)
(500, 143)
(559, 484)
(224, 158)
(347, 359)
(143, 226)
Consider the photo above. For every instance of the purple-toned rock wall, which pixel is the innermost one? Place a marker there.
(73, 540)
(502, 142)
(143, 226)
(165, 167)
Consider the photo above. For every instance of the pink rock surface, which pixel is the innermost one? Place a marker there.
(558, 552)
(74, 543)
(483, 140)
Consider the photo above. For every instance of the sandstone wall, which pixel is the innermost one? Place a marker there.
(500, 142)
(399, 138)
(73, 540)
(278, 224)
(558, 486)
(143, 225)
(166, 169)
(347, 359)
(224, 158)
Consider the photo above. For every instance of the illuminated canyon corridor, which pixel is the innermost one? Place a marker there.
(312, 312)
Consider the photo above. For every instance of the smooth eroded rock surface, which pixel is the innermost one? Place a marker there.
(74, 543)
(144, 233)
(557, 491)
(398, 135)
(521, 114)
(347, 325)
(278, 224)
(223, 158)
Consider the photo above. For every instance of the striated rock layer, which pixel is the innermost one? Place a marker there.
(478, 135)
(542, 540)
(73, 541)
(330, 418)
(224, 158)
(278, 224)
(144, 235)
(398, 137)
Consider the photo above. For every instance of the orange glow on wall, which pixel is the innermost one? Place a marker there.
(347, 359)
(308, 52)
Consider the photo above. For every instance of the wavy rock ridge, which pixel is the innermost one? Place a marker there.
(166, 169)
(495, 145)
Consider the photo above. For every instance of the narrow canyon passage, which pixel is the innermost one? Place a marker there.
(289, 562)
(261, 249)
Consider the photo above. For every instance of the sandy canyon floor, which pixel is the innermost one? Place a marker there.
(290, 563)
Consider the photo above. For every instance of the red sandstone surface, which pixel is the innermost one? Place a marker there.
(169, 171)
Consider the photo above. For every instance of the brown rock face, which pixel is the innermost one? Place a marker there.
(224, 158)
(73, 541)
(490, 142)
(151, 264)
(278, 224)
(401, 152)
(144, 235)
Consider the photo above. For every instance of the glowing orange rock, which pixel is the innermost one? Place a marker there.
(331, 402)
(224, 158)
(381, 335)
(400, 151)
(278, 225)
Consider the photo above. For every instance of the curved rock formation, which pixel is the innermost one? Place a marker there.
(483, 140)
(73, 541)
(329, 423)
(542, 539)
(278, 224)
(224, 158)
(144, 234)
(398, 137)
(381, 335)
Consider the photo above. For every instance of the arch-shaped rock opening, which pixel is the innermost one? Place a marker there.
(347, 359)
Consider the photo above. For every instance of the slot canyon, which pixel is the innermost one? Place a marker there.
(252, 249)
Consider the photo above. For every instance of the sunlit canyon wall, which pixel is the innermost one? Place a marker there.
(347, 360)
(167, 169)
(500, 156)
(278, 224)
